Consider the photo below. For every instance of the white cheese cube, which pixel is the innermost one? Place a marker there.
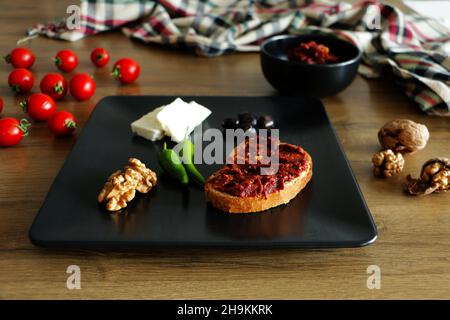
(148, 127)
(178, 119)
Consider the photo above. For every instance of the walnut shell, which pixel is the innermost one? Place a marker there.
(434, 177)
(403, 135)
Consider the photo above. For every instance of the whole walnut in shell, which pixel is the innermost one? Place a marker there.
(403, 135)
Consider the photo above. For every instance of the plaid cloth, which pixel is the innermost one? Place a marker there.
(414, 48)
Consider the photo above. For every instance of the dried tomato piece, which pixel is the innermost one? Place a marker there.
(312, 53)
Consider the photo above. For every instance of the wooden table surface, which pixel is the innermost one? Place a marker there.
(412, 249)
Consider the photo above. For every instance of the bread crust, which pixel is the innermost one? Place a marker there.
(234, 204)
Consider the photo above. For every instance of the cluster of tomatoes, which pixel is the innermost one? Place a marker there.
(41, 106)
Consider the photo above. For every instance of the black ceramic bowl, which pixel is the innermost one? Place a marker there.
(318, 80)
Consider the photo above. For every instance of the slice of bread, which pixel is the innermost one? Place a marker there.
(235, 204)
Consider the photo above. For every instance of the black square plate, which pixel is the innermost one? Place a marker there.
(329, 212)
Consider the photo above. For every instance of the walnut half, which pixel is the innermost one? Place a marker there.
(121, 186)
(387, 163)
(434, 177)
(403, 136)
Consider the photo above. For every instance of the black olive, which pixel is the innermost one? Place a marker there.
(229, 123)
(248, 118)
(266, 122)
(251, 131)
(245, 125)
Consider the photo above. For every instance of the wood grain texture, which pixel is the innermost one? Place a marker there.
(414, 233)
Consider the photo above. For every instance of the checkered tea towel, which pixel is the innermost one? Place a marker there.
(414, 48)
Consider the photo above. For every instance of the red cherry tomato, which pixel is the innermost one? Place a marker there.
(82, 86)
(39, 106)
(21, 80)
(54, 85)
(20, 58)
(12, 131)
(1, 104)
(66, 60)
(62, 123)
(126, 70)
(99, 57)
